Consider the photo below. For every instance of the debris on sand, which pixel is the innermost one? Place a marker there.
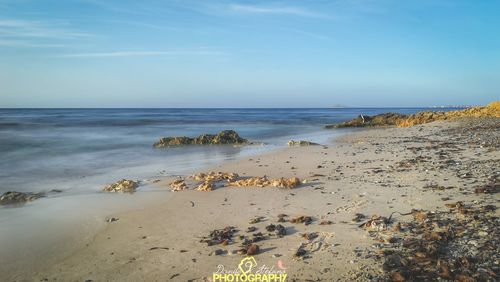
(282, 217)
(286, 182)
(302, 219)
(256, 219)
(491, 188)
(124, 186)
(265, 182)
(280, 230)
(251, 182)
(309, 236)
(456, 245)
(212, 180)
(178, 185)
(13, 197)
(222, 138)
(253, 249)
(358, 217)
(206, 186)
(271, 227)
(300, 252)
(326, 222)
(376, 223)
(213, 176)
(218, 252)
(301, 143)
(218, 236)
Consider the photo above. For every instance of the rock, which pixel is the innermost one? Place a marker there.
(223, 137)
(13, 197)
(252, 249)
(124, 186)
(112, 219)
(387, 119)
(492, 110)
(301, 143)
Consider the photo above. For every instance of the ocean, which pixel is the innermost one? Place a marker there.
(80, 150)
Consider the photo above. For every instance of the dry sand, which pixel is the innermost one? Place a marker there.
(357, 174)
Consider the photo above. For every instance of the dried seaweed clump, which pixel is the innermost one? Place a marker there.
(220, 236)
(178, 185)
(215, 176)
(212, 180)
(124, 185)
(456, 245)
(265, 182)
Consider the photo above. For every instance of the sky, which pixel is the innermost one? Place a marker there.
(222, 53)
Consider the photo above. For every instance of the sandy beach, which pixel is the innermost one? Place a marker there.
(370, 172)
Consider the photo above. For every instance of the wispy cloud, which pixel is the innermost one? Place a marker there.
(36, 29)
(29, 44)
(277, 10)
(173, 52)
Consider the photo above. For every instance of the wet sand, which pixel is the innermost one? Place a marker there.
(377, 171)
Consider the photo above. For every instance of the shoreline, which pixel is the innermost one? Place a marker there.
(161, 241)
(65, 243)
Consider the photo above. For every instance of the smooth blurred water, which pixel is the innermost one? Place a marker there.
(79, 150)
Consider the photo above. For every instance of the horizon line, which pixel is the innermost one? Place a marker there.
(210, 108)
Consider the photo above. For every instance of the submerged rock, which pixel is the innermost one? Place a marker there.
(124, 185)
(13, 197)
(301, 143)
(222, 138)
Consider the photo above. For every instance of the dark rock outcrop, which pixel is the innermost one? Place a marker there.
(13, 197)
(387, 119)
(222, 138)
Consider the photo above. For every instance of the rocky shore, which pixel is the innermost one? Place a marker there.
(389, 204)
(225, 137)
(491, 110)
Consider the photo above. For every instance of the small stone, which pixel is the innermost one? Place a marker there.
(253, 249)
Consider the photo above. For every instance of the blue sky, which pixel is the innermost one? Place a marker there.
(183, 53)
